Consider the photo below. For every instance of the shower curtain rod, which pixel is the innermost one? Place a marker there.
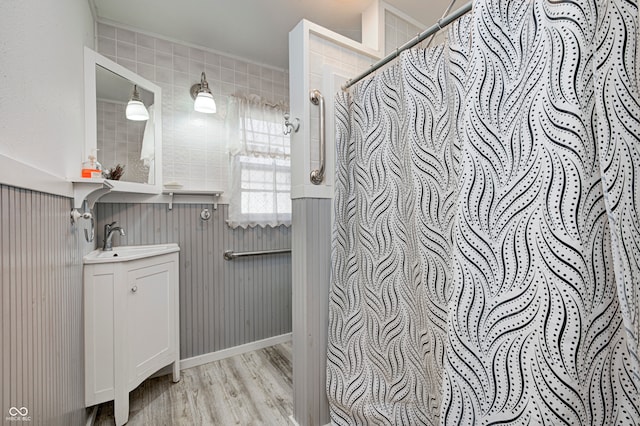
(408, 45)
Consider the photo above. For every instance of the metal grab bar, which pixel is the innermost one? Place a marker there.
(231, 255)
(317, 175)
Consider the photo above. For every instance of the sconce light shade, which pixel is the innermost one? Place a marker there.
(204, 101)
(136, 110)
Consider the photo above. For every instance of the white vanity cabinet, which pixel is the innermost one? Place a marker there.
(131, 321)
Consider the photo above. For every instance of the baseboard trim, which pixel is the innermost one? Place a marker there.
(236, 350)
(225, 353)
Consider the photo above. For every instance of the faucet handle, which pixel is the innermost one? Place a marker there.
(107, 229)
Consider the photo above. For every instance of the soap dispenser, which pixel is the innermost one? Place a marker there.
(91, 169)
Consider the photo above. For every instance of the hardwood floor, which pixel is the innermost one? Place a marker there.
(250, 389)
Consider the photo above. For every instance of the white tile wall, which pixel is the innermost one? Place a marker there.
(326, 52)
(194, 145)
(397, 31)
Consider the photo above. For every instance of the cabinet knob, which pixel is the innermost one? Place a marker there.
(134, 288)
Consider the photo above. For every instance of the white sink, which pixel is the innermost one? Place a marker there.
(126, 253)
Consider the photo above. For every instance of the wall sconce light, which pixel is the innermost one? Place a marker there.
(135, 108)
(203, 98)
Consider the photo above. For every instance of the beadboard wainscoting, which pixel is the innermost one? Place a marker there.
(311, 275)
(223, 304)
(41, 309)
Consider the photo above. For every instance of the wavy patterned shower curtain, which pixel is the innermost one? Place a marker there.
(398, 156)
(486, 245)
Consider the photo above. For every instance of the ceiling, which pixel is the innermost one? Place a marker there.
(252, 29)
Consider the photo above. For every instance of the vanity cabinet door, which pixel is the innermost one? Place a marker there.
(150, 319)
(99, 337)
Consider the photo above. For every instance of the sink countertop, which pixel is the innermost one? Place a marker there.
(126, 253)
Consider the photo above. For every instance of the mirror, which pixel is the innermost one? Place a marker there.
(133, 145)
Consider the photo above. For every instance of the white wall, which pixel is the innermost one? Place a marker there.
(42, 87)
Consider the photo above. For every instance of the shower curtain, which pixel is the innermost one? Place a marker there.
(486, 243)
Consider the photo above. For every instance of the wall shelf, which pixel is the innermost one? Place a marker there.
(89, 190)
(93, 189)
(173, 192)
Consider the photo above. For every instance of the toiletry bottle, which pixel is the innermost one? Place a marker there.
(91, 168)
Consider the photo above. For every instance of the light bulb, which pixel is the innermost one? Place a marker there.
(205, 103)
(135, 108)
(136, 111)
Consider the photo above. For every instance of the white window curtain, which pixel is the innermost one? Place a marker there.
(260, 165)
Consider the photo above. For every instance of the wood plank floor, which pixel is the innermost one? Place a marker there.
(250, 389)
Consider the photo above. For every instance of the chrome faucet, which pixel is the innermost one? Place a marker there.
(109, 229)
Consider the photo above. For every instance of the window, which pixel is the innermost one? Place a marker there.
(260, 165)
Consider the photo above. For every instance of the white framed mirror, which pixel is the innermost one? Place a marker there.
(114, 135)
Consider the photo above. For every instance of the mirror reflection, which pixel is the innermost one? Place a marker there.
(125, 137)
